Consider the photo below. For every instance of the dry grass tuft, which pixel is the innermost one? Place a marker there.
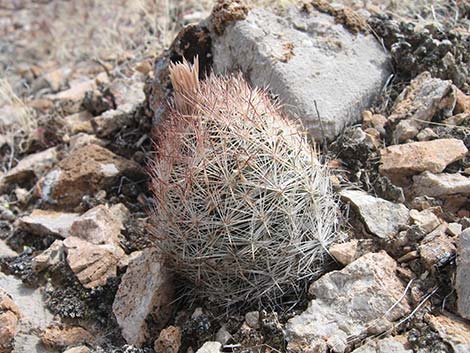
(17, 121)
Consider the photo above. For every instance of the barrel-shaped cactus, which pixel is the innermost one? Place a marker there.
(242, 210)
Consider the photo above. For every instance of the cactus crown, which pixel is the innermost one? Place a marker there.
(242, 207)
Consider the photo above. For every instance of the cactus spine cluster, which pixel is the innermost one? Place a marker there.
(242, 208)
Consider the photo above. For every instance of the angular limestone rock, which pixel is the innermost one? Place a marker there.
(400, 161)
(169, 340)
(98, 226)
(344, 253)
(305, 58)
(146, 288)
(9, 318)
(381, 217)
(32, 166)
(385, 345)
(49, 257)
(42, 222)
(56, 336)
(436, 250)
(92, 264)
(363, 298)
(444, 184)
(418, 103)
(453, 331)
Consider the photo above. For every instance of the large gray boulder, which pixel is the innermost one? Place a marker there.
(306, 57)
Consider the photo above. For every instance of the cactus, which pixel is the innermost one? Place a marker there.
(242, 208)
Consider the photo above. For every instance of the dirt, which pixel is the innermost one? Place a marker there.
(226, 12)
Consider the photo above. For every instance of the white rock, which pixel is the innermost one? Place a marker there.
(223, 336)
(98, 226)
(79, 349)
(401, 161)
(427, 134)
(443, 184)
(252, 319)
(454, 229)
(350, 303)
(81, 139)
(128, 95)
(79, 123)
(381, 217)
(210, 347)
(315, 59)
(41, 222)
(426, 220)
(146, 288)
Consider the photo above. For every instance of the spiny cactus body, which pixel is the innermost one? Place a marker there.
(242, 207)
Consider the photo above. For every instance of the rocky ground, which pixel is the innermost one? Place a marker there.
(79, 272)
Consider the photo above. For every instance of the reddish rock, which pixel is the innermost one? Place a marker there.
(169, 340)
(376, 121)
(9, 320)
(92, 264)
(57, 336)
(344, 253)
(84, 172)
(41, 222)
(98, 226)
(401, 161)
(443, 184)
